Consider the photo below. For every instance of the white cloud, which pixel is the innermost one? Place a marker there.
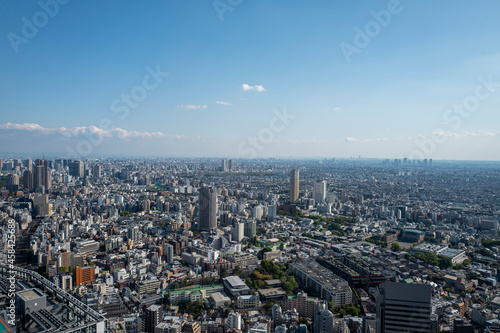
(464, 134)
(224, 103)
(191, 106)
(82, 130)
(353, 139)
(337, 108)
(247, 87)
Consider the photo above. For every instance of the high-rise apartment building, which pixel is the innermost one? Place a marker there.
(152, 318)
(42, 175)
(169, 253)
(238, 232)
(233, 321)
(28, 180)
(250, 228)
(323, 319)
(207, 209)
(320, 191)
(28, 164)
(403, 307)
(294, 186)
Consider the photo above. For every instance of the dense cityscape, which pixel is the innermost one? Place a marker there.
(265, 245)
(249, 166)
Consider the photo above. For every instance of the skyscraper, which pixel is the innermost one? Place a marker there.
(238, 232)
(250, 228)
(207, 209)
(28, 164)
(231, 165)
(294, 185)
(320, 191)
(223, 166)
(76, 169)
(96, 170)
(42, 176)
(28, 180)
(403, 307)
(169, 253)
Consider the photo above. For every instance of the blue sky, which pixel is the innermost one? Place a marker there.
(58, 85)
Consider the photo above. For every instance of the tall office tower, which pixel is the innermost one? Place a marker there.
(231, 165)
(42, 176)
(152, 318)
(238, 232)
(271, 212)
(250, 228)
(294, 186)
(223, 166)
(28, 180)
(403, 307)
(83, 275)
(233, 321)
(323, 318)
(96, 171)
(76, 169)
(169, 253)
(207, 209)
(320, 191)
(28, 164)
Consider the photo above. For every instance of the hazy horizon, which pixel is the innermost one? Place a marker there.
(251, 79)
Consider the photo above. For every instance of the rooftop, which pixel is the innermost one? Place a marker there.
(31, 294)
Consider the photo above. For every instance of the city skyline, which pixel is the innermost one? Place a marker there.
(371, 80)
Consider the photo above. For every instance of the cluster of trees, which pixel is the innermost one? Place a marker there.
(349, 309)
(193, 308)
(484, 252)
(268, 271)
(395, 247)
(379, 242)
(433, 259)
(125, 213)
(490, 242)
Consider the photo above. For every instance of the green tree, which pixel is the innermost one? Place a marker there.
(395, 247)
(445, 262)
(223, 272)
(237, 271)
